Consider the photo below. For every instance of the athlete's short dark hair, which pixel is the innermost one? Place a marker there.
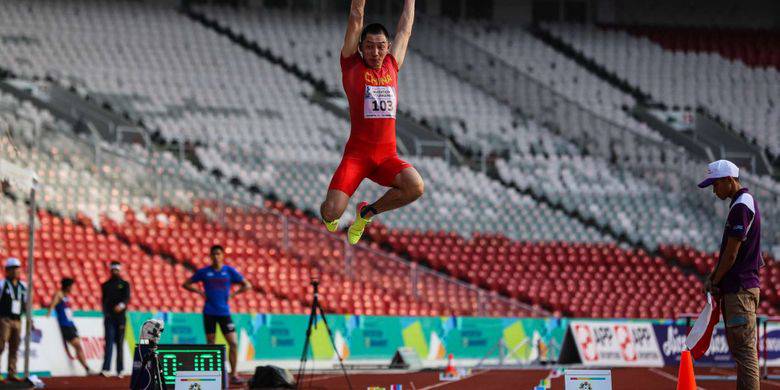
(374, 28)
(216, 248)
(66, 282)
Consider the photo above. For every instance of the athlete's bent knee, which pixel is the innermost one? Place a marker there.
(328, 211)
(415, 189)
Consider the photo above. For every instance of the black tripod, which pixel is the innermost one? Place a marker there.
(315, 306)
(151, 363)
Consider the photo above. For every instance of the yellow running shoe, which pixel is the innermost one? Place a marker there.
(332, 226)
(356, 229)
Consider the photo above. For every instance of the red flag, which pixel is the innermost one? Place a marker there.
(698, 341)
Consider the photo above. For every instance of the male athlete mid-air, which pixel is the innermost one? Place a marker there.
(369, 69)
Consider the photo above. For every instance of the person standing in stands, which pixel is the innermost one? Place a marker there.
(735, 277)
(13, 297)
(217, 279)
(60, 303)
(116, 296)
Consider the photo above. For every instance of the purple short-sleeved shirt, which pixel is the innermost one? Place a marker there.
(744, 223)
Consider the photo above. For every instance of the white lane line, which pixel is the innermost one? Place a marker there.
(764, 381)
(324, 377)
(441, 384)
(669, 376)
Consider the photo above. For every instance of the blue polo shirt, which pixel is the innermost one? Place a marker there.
(743, 223)
(216, 285)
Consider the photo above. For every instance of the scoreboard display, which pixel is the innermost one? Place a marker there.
(184, 357)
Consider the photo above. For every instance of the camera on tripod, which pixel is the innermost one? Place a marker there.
(151, 331)
(147, 374)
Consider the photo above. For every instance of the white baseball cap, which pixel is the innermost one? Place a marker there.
(717, 170)
(12, 262)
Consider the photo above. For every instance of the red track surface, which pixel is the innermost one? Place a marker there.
(622, 378)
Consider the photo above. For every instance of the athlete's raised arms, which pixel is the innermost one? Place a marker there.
(354, 26)
(403, 33)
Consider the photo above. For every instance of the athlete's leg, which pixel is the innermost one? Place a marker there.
(229, 331)
(210, 328)
(406, 187)
(333, 207)
(232, 341)
(351, 171)
(76, 343)
(404, 181)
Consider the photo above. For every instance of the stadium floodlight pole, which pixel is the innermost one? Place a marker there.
(30, 269)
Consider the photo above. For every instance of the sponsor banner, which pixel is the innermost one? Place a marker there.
(616, 344)
(671, 339)
(49, 357)
(770, 344)
(278, 338)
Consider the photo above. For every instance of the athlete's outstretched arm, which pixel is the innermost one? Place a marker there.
(354, 25)
(403, 32)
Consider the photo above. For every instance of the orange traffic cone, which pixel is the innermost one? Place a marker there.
(450, 370)
(685, 377)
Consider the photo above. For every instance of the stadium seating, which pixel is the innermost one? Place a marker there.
(704, 263)
(277, 139)
(478, 121)
(519, 48)
(756, 48)
(591, 280)
(458, 199)
(66, 248)
(742, 95)
(371, 284)
(252, 121)
(65, 170)
(630, 206)
(153, 63)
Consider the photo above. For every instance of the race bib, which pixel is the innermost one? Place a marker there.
(379, 102)
(69, 314)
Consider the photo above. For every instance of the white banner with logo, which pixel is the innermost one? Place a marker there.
(616, 344)
(48, 355)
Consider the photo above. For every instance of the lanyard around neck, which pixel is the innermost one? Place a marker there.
(11, 291)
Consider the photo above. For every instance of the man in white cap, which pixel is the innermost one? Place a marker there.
(735, 277)
(13, 295)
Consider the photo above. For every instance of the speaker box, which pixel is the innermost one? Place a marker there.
(271, 377)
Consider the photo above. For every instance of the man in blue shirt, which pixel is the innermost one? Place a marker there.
(217, 280)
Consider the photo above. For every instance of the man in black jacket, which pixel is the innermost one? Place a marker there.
(116, 296)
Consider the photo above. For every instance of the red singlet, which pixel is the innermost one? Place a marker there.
(370, 151)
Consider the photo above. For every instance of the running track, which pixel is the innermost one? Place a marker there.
(623, 378)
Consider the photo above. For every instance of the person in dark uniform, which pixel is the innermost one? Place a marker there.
(13, 297)
(116, 296)
(60, 304)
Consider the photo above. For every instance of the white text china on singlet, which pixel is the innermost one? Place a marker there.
(379, 102)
